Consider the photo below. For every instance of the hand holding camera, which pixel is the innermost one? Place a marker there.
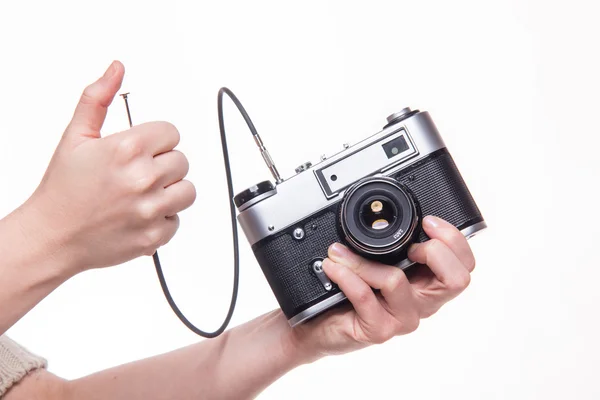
(401, 300)
(109, 200)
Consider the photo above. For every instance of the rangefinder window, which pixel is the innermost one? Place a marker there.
(395, 146)
(365, 161)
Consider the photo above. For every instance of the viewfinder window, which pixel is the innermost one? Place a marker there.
(395, 146)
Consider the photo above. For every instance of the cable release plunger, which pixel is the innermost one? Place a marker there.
(268, 160)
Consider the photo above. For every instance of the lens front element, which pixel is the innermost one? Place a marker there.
(378, 216)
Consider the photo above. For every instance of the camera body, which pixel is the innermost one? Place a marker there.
(371, 197)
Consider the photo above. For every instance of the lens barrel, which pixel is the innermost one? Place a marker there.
(379, 216)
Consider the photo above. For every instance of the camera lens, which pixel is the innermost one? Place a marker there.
(378, 216)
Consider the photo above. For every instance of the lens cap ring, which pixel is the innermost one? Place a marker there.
(374, 241)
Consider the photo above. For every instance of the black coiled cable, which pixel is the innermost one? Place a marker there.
(236, 253)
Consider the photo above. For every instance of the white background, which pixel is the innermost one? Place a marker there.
(512, 85)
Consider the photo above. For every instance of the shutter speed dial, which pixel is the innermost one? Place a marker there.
(399, 116)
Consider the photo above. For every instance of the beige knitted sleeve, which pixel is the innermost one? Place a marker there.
(15, 363)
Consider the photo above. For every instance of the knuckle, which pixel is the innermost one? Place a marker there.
(145, 183)
(171, 130)
(401, 321)
(411, 325)
(175, 226)
(459, 282)
(152, 239)
(471, 263)
(183, 162)
(363, 295)
(407, 324)
(190, 192)
(129, 148)
(379, 338)
(384, 334)
(87, 96)
(395, 281)
(169, 235)
(148, 251)
(429, 311)
(147, 212)
(167, 230)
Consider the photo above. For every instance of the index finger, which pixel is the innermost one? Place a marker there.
(154, 137)
(358, 292)
(391, 280)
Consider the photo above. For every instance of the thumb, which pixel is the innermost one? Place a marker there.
(92, 107)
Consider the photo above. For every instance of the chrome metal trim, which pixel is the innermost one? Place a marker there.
(362, 163)
(405, 264)
(470, 231)
(318, 308)
(257, 199)
(267, 157)
(285, 209)
(398, 114)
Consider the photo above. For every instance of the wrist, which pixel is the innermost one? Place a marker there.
(42, 242)
(298, 346)
(31, 268)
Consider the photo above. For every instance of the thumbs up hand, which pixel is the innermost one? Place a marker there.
(105, 201)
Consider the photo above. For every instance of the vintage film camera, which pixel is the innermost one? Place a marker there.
(371, 197)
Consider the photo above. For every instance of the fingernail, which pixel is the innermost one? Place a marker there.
(110, 71)
(338, 251)
(431, 222)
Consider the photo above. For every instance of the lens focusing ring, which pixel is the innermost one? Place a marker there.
(390, 239)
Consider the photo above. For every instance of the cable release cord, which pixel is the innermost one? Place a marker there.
(236, 255)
